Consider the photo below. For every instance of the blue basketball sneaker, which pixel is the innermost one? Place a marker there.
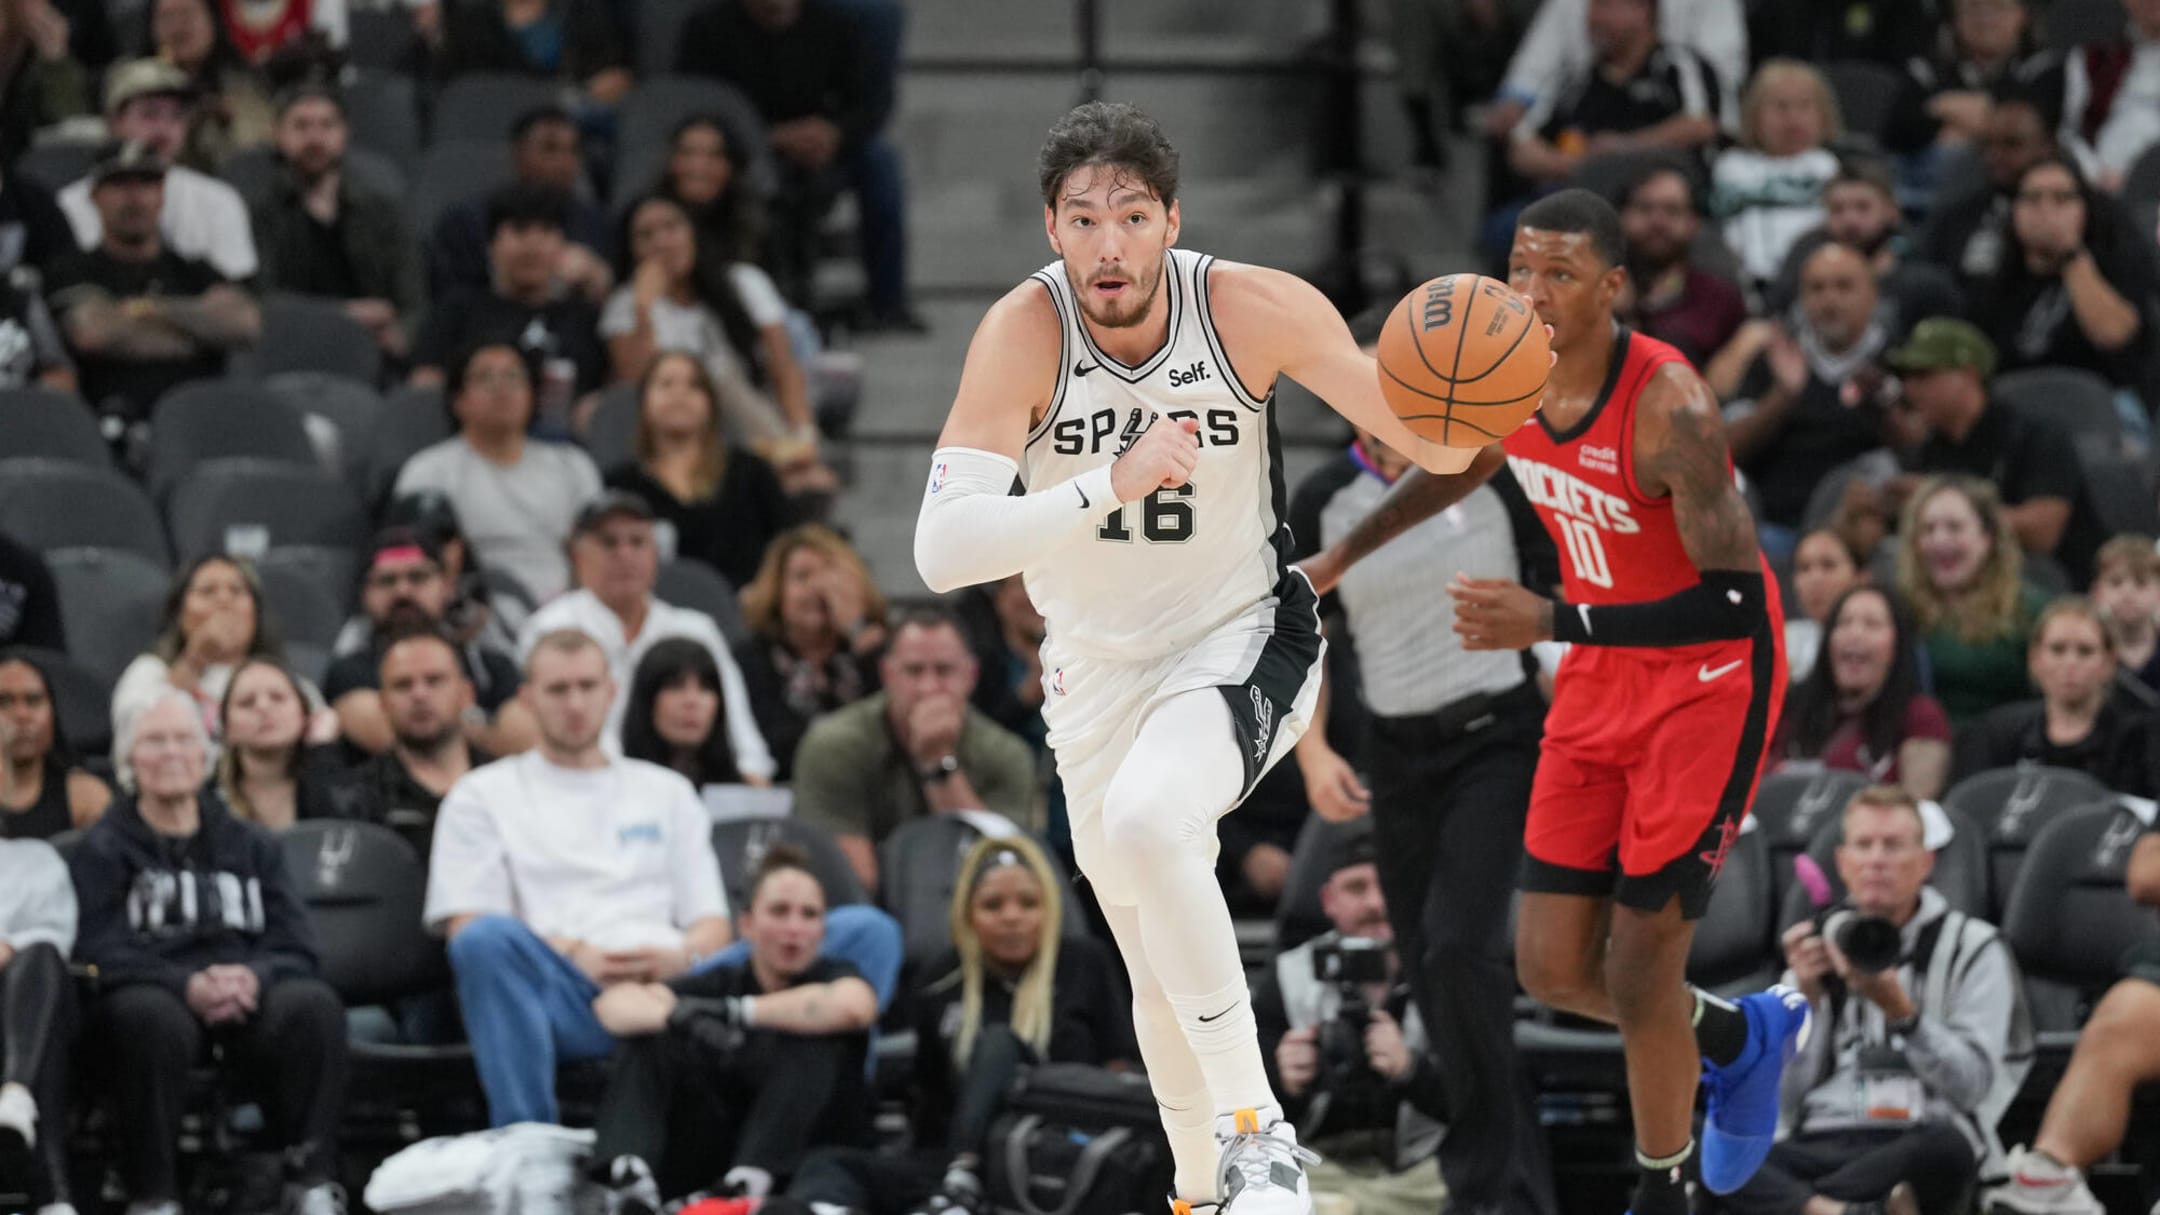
(1743, 1095)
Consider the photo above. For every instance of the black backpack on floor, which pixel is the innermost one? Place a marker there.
(1077, 1140)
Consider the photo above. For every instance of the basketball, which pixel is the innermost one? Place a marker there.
(1463, 360)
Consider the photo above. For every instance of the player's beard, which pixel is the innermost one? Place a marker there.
(1128, 309)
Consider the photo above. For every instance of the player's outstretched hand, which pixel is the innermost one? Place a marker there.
(1496, 614)
(1162, 458)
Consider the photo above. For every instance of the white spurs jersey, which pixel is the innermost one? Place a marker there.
(1164, 571)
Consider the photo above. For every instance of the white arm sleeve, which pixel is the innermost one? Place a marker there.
(973, 530)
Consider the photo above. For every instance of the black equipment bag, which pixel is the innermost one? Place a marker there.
(1077, 1140)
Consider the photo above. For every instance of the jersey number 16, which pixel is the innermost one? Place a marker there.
(1166, 517)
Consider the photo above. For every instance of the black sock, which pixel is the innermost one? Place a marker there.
(1721, 1031)
(1660, 1183)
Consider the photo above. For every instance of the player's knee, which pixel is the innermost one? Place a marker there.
(2124, 1021)
(1564, 982)
(1146, 822)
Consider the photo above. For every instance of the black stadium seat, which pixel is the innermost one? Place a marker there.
(311, 333)
(1790, 808)
(283, 504)
(55, 504)
(114, 601)
(1735, 948)
(41, 422)
(218, 419)
(2012, 805)
(688, 583)
(2070, 920)
(741, 843)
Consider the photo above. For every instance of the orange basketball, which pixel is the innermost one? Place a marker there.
(1463, 360)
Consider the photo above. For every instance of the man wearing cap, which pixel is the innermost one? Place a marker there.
(1945, 367)
(615, 564)
(139, 316)
(407, 591)
(1365, 1090)
(149, 100)
(323, 233)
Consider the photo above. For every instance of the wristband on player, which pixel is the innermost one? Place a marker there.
(1726, 605)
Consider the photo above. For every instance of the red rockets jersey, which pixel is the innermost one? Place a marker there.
(1617, 544)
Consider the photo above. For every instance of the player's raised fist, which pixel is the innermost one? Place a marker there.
(1161, 458)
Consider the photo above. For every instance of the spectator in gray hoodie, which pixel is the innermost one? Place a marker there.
(37, 1018)
(1892, 1103)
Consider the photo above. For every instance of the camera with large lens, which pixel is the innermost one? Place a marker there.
(1870, 942)
(1350, 965)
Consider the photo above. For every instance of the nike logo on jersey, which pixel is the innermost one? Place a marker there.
(1080, 368)
(1083, 496)
(1708, 672)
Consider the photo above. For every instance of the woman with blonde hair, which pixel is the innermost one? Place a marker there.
(723, 501)
(1960, 568)
(1016, 991)
(817, 623)
(1767, 192)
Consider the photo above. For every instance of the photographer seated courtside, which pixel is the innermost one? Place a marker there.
(1348, 1052)
(1920, 1039)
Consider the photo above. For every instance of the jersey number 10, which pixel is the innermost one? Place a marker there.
(1585, 550)
(1165, 518)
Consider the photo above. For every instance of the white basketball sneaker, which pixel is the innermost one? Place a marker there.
(2041, 1186)
(1263, 1168)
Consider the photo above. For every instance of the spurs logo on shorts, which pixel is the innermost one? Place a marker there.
(1264, 724)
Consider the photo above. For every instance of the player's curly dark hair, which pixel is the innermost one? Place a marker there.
(1108, 133)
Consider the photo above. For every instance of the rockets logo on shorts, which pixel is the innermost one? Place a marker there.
(937, 477)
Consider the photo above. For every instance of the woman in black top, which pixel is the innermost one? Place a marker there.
(42, 792)
(268, 772)
(199, 937)
(1016, 992)
(2074, 284)
(817, 622)
(677, 715)
(724, 502)
(731, 1072)
(2081, 721)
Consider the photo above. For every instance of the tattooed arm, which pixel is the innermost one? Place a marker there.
(1416, 497)
(1680, 448)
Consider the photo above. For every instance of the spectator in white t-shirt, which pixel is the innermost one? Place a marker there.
(1558, 49)
(1768, 191)
(616, 564)
(150, 101)
(515, 496)
(559, 873)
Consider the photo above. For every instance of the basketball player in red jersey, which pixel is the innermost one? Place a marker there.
(1662, 710)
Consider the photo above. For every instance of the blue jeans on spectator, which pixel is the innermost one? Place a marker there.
(528, 1008)
(874, 170)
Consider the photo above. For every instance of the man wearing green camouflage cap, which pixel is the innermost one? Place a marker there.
(1945, 367)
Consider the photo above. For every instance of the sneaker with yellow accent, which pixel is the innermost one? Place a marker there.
(1263, 1168)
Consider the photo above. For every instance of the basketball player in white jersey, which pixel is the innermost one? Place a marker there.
(1125, 387)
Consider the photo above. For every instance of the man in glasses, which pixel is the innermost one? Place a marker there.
(405, 590)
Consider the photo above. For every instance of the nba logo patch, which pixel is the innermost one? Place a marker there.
(937, 477)
(1057, 681)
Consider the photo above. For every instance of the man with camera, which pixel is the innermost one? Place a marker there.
(1920, 1040)
(1347, 1051)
